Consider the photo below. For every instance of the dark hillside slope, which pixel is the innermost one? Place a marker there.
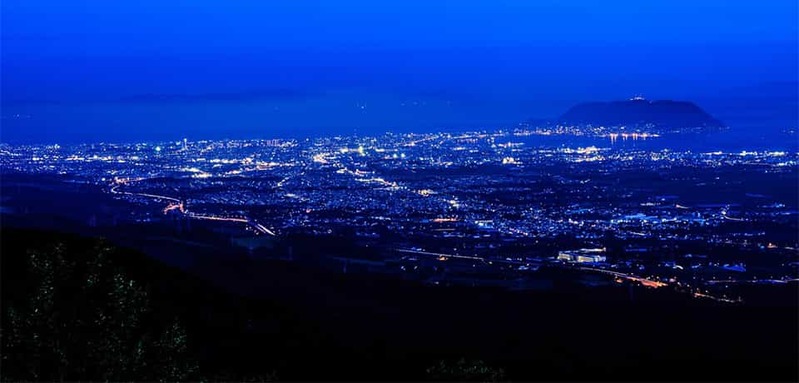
(307, 324)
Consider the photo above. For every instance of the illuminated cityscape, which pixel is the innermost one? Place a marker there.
(444, 191)
(700, 222)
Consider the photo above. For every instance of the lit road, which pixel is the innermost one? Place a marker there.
(440, 254)
(442, 257)
(154, 196)
(644, 281)
(655, 284)
(725, 216)
(731, 281)
(177, 204)
(255, 225)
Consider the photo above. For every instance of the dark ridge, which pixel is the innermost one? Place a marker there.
(666, 114)
(303, 324)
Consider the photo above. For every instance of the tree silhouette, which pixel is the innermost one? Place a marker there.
(81, 318)
(464, 370)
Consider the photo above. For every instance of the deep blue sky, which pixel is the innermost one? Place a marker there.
(276, 68)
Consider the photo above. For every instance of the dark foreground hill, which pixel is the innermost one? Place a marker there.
(76, 308)
(676, 115)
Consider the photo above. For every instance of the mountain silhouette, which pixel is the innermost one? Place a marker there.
(638, 112)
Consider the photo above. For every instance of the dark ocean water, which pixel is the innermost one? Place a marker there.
(317, 115)
(752, 127)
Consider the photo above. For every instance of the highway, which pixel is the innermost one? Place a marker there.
(732, 281)
(655, 284)
(252, 223)
(644, 281)
(442, 256)
(177, 204)
(153, 196)
(439, 255)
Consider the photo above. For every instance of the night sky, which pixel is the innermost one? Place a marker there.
(99, 70)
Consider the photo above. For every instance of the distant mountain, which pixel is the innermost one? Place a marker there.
(269, 94)
(664, 114)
